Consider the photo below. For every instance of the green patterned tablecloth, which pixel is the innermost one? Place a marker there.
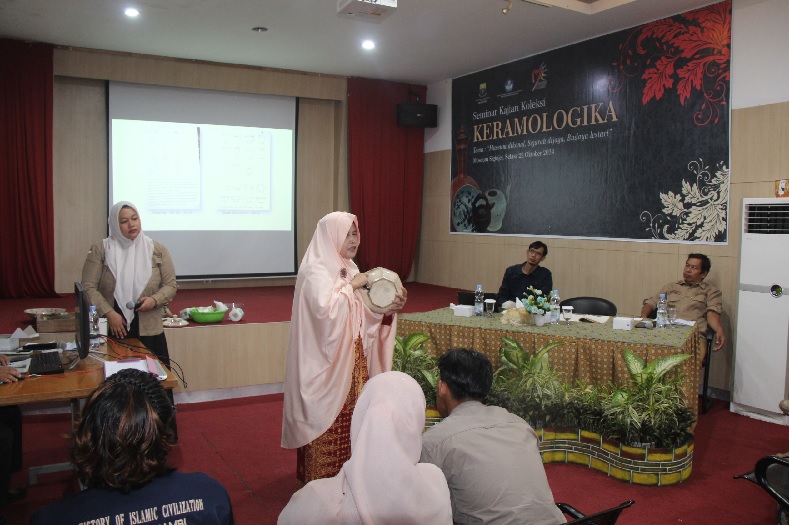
(592, 353)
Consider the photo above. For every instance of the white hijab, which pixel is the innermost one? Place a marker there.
(129, 261)
(383, 481)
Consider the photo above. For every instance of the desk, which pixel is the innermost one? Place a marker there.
(72, 386)
(592, 353)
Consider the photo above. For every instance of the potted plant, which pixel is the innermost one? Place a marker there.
(526, 384)
(650, 411)
(411, 357)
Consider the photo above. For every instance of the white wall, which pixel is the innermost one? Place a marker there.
(759, 65)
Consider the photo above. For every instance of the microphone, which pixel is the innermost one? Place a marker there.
(131, 305)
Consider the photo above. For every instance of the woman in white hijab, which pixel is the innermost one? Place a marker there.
(383, 481)
(129, 267)
(335, 344)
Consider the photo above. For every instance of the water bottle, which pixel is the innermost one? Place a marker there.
(555, 308)
(479, 300)
(661, 319)
(93, 324)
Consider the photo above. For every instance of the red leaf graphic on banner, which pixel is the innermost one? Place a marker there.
(689, 51)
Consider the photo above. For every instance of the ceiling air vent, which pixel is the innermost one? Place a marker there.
(767, 218)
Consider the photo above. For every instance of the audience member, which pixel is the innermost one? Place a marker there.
(336, 343)
(120, 454)
(694, 300)
(518, 278)
(383, 481)
(489, 456)
(10, 440)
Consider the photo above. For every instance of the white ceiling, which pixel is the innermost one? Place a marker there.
(422, 42)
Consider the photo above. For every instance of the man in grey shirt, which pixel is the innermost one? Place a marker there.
(489, 456)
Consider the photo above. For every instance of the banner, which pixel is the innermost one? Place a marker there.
(625, 136)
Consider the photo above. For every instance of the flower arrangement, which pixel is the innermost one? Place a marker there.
(536, 302)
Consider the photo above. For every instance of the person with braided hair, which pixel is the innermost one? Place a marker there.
(120, 452)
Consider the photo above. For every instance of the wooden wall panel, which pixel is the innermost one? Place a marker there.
(80, 145)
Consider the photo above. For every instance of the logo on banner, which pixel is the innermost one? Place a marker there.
(483, 90)
(509, 85)
(539, 77)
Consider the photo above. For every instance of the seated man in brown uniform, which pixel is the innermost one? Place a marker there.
(694, 299)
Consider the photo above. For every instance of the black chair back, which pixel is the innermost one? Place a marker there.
(605, 517)
(591, 305)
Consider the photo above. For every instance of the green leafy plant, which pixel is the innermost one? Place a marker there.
(411, 357)
(525, 384)
(651, 409)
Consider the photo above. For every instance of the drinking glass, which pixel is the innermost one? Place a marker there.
(671, 314)
(490, 304)
(567, 313)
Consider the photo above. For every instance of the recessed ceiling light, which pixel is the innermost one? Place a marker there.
(131, 12)
(368, 44)
(260, 29)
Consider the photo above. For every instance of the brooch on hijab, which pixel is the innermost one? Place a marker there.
(343, 273)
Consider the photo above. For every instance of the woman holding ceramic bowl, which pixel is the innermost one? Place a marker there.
(336, 343)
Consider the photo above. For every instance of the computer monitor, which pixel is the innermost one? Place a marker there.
(82, 326)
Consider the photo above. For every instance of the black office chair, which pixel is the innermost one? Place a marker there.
(604, 517)
(772, 474)
(705, 398)
(590, 305)
(467, 298)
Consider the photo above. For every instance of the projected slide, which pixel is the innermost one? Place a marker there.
(211, 173)
(202, 176)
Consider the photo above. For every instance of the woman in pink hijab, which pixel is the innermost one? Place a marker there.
(383, 481)
(336, 343)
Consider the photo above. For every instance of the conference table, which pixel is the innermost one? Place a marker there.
(72, 386)
(592, 352)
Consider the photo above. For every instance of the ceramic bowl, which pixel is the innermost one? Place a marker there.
(383, 286)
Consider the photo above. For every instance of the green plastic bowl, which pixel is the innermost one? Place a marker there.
(206, 317)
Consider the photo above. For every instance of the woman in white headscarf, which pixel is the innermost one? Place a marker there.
(130, 267)
(383, 481)
(336, 343)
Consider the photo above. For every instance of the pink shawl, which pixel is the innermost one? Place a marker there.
(327, 317)
(383, 482)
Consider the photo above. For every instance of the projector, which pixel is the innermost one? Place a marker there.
(367, 10)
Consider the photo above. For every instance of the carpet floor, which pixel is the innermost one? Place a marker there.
(237, 442)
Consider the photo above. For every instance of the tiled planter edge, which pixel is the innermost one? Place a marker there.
(640, 466)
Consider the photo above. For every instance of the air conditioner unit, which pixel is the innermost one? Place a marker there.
(366, 10)
(761, 361)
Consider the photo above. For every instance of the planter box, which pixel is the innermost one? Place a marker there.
(640, 466)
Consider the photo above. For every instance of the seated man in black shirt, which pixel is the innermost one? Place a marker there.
(519, 277)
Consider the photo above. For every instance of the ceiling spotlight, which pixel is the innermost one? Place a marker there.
(260, 29)
(131, 12)
(507, 9)
(368, 44)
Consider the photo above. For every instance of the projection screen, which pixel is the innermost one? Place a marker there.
(212, 174)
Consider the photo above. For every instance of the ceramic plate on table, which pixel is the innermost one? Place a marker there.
(33, 312)
(174, 322)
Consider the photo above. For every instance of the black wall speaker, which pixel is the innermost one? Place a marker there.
(417, 115)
